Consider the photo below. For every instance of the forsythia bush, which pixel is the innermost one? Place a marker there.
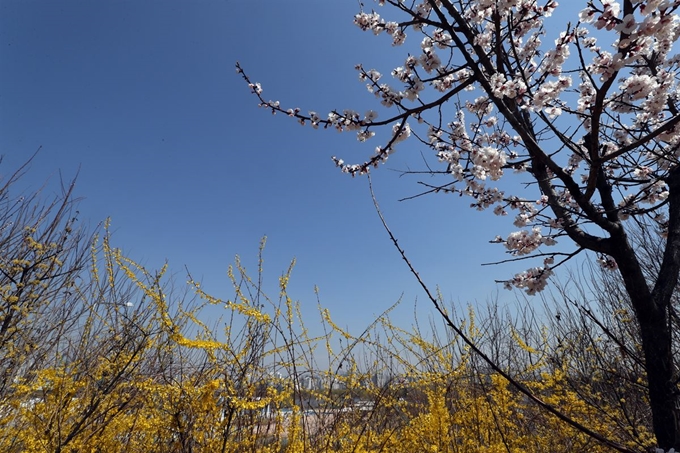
(149, 376)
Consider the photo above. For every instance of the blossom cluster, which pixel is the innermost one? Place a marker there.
(607, 262)
(488, 161)
(524, 242)
(533, 280)
(373, 22)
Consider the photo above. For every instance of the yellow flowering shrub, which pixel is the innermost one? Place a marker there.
(137, 370)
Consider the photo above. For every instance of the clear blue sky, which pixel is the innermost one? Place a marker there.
(141, 97)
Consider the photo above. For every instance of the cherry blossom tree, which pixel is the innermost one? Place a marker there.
(587, 119)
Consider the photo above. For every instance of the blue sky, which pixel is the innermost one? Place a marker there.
(141, 99)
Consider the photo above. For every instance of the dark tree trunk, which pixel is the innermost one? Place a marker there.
(652, 311)
(656, 336)
(659, 364)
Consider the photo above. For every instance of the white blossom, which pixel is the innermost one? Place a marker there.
(607, 262)
(364, 135)
(638, 86)
(524, 242)
(371, 21)
(256, 87)
(401, 132)
(532, 280)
